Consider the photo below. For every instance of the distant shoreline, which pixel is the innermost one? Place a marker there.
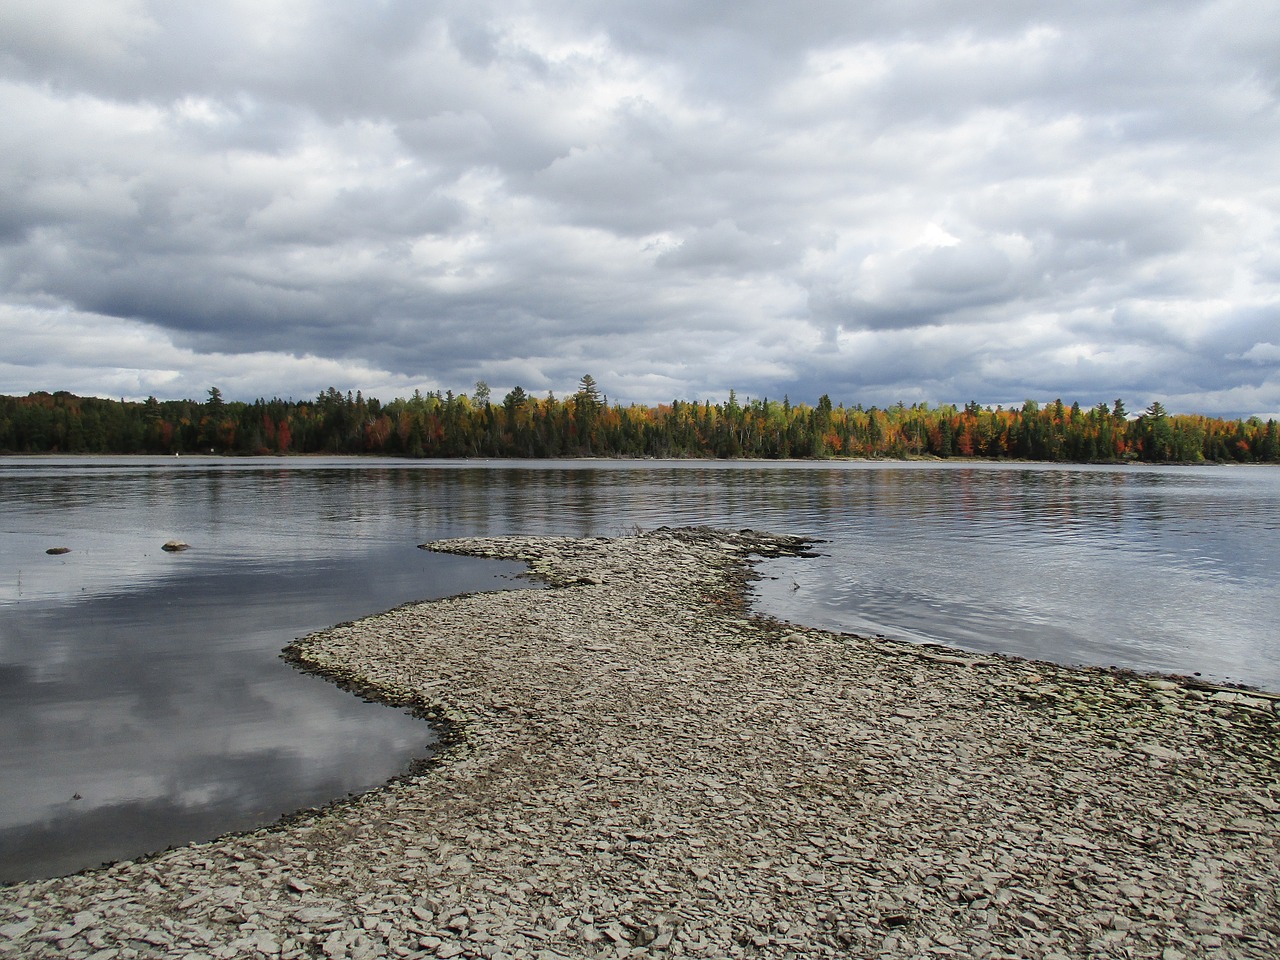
(442, 424)
(376, 458)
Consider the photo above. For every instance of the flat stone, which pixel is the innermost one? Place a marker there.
(16, 931)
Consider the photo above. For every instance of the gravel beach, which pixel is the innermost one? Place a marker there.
(635, 765)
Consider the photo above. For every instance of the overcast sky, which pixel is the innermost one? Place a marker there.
(905, 200)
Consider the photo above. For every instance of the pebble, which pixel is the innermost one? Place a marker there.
(635, 765)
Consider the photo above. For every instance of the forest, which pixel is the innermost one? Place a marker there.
(442, 424)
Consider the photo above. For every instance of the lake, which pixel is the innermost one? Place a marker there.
(143, 702)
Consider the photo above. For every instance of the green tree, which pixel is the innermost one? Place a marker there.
(1156, 434)
(588, 392)
(586, 409)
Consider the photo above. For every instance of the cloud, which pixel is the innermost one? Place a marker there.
(1262, 353)
(101, 34)
(677, 197)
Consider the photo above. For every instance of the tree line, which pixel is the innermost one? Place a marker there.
(444, 424)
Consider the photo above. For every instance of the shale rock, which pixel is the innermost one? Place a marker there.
(638, 766)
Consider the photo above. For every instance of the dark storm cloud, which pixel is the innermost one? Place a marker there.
(913, 199)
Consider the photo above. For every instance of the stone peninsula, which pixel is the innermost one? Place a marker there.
(636, 765)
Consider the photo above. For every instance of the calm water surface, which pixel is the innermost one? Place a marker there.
(143, 703)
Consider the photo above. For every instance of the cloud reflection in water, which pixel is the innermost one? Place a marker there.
(163, 714)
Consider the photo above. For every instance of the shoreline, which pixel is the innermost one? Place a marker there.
(915, 458)
(637, 764)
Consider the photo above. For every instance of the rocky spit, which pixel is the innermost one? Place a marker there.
(638, 766)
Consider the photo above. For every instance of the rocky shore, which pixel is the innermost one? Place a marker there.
(637, 766)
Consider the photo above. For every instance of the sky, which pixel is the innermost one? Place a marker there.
(908, 200)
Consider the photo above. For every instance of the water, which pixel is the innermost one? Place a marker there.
(1156, 569)
(148, 684)
(143, 702)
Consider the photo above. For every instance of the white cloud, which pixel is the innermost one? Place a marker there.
(122, 358)
(1262, 353)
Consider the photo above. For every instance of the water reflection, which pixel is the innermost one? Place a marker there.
(1167, 570)
(163, 713)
